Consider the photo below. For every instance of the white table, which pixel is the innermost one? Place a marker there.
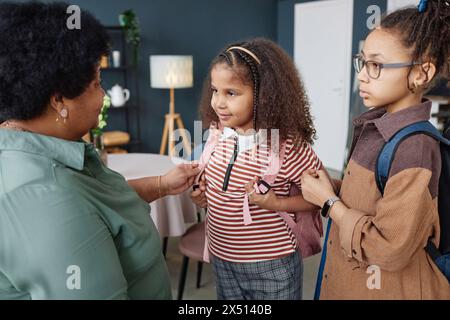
(171, 213)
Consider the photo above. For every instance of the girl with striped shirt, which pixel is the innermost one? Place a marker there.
(254, 93)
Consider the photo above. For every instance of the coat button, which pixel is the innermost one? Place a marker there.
(331, 242)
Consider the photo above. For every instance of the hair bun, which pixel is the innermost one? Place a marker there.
(443, 7)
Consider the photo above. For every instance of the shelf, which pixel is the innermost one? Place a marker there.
(127, 75)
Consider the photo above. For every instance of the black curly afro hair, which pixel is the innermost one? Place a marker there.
(40, 56)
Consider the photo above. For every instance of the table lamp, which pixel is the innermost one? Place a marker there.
(172, 72)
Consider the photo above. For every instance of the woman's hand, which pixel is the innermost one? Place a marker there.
(179, 179)
(198, 196)
(268, 201)
(316, 187)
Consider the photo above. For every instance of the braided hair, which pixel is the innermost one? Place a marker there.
(230, 56)
(426, 30)
(279, 98)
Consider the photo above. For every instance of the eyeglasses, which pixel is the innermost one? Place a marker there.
(373, 68)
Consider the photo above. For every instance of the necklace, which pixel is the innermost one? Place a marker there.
(10, 125)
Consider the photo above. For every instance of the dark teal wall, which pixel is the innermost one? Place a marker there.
(199, 28)
(192, 27)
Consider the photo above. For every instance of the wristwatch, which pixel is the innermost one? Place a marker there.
(327, 206)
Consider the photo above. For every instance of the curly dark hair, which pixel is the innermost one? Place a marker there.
(40, 56)
(427, 33)
(280, 101)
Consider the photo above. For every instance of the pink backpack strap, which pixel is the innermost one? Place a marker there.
(289, 221)
(269, 176)
(307, 226)
(246, 208)
(206, 247)
(208, 149)
(275, 163)
(213, 139)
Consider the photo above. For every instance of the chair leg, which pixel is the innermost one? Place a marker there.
(165, 242)
(182, 282)
(199, 273)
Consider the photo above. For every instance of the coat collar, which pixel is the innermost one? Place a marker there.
(69, 153)
(388, 124)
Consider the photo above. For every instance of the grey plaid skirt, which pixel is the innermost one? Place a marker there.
(278, 279)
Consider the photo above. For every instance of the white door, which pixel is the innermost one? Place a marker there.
(323, 55)
(393, 5)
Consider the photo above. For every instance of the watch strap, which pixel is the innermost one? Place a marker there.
(327, 206)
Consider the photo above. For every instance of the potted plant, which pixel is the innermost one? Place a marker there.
(129, 21)
(97, 133)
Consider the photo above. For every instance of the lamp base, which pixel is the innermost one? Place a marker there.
(169, 126)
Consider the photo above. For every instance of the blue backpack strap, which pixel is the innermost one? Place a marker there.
(386, 156)
(322, 262)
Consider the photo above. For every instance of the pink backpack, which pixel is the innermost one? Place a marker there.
(307, 226)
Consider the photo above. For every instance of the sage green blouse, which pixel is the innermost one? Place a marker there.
(70, 228)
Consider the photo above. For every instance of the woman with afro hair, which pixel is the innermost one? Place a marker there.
(70, 228)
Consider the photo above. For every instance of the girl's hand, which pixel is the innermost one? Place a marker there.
(198, 196)
(268, 201)
(316, 187)
(179, 179)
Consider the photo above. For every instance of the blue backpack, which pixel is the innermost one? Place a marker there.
(440, 255)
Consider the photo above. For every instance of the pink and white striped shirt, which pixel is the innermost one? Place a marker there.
(268, 236)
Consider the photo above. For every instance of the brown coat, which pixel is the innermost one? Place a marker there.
(387, 232)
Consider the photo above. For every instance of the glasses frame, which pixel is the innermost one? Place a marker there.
(381, 65)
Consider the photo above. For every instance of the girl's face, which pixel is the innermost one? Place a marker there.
(390, 89)
(232, 99)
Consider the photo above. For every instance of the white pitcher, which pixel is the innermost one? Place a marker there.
(119, 96)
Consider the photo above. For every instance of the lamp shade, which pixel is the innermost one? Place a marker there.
(171, 72)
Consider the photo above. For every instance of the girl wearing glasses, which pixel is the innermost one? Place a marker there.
(255, 85)
(376, 244)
